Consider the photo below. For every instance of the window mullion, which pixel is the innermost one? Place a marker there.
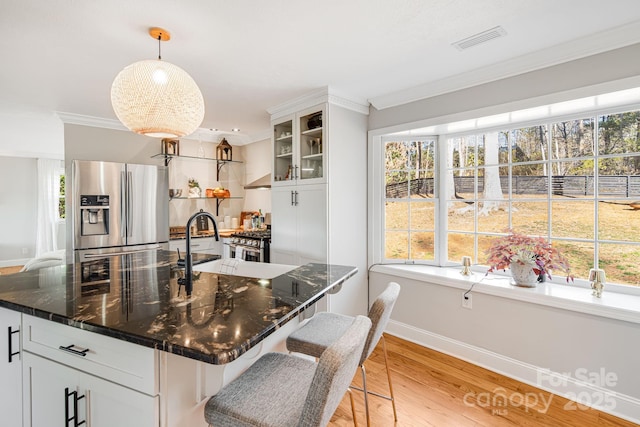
(442, 245)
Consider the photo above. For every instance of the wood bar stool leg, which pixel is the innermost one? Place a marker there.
(353, 408)
(366, 394)
(386, 363)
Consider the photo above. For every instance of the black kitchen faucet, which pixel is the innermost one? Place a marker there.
(187, 280)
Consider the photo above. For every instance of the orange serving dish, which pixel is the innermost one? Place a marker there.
(218, 193)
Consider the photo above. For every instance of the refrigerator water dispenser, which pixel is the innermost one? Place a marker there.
(94, 214)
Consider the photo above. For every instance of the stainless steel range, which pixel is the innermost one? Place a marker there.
(253, 245)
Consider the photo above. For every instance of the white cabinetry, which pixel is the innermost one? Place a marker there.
(10, 368)
(319, 189)
(63, 396)
(80, 376)
(299, 224)
(299, 154)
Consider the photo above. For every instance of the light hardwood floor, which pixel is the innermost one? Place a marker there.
(430, 389)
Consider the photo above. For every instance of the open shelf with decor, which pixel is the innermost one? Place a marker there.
(219, 163)
(217, 199)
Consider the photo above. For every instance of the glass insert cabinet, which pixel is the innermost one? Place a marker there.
(299, 148)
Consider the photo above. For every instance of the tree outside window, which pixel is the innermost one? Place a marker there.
(61, 198)
(572, 181)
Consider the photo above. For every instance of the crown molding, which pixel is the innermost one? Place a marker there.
(32, 154)
(202, 134)
(97, 122)
(260, 135)
(593, 44)
(320, 96)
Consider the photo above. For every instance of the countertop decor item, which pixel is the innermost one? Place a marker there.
(156, 98)
(194, 188)
(524, 273)
(224, 150)
(526, 256)
(315, 121)
(466, 266)
(170, 146)
(597, 279)
(218, 192)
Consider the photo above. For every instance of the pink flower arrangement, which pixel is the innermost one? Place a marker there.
(516, 247)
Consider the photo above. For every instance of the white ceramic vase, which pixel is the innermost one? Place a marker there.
(523, 274)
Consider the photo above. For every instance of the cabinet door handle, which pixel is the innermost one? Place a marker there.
(70, 348)
(295, 173)
(296, 198)
(11, 352)
(292, 198)
(74, 418)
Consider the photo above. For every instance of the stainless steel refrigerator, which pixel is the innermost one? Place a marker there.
(118, 208)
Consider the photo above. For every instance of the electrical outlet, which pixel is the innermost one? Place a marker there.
(25, 251)
(467, 300)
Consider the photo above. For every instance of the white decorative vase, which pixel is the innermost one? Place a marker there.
(194, 192)
(523, 274)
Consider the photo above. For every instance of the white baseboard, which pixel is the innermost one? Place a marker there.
(580, 393)
(13, 262)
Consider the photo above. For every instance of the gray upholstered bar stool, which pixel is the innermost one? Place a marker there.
(287, 390)
(324, 328)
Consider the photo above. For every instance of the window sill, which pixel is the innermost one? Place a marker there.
(574, 297)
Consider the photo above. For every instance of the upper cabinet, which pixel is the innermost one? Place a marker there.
(319, 189)
(299, 147)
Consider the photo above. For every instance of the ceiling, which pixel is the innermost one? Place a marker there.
(249, 55)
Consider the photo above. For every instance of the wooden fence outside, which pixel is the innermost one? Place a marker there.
(561, 185)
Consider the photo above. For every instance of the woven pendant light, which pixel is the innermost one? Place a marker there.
(156, 98)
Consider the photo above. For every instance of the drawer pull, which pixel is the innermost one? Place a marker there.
(11, 352)
(70, 348)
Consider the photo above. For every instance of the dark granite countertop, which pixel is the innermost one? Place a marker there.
(136, 298)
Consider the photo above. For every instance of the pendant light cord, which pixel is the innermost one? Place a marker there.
(159, 44)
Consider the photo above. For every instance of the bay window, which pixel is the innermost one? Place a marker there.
(571, 179)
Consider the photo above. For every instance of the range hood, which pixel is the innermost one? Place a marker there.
(264, 182)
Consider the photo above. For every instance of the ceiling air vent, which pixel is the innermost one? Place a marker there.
(480, 38)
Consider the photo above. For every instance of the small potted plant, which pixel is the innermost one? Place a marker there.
(527, 257)
(194, 188)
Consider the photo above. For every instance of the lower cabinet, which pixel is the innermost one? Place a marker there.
(74, 377)
(10, 368)
(299, 224)
(58, 395)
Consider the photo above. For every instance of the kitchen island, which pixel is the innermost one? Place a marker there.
(173, 350)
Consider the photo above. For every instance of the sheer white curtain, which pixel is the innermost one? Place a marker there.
(48, 197)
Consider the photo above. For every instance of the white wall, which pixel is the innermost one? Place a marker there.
(561, 82)
(512, 337)
(258, 164)
(31, 134)
(26, 136)
(110, 145)
(521, 339)
(18, 190)
(93, 143)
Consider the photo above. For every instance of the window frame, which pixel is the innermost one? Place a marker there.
(378, 139)
(60, 196)
(435, 201)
